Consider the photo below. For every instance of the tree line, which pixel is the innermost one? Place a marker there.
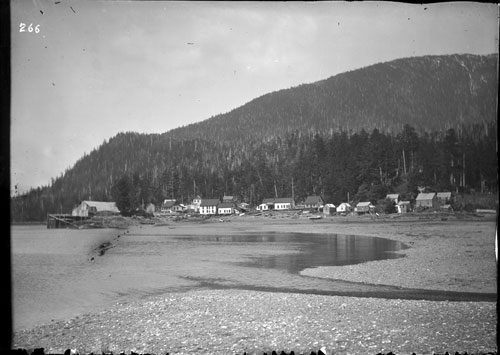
(135, 169)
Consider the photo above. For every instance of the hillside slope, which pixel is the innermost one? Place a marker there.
(387, 127)
(431, 93)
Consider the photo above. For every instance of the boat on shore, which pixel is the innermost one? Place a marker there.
(316, 217)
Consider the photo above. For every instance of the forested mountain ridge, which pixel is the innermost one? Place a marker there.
(431, 93)
(427, 121)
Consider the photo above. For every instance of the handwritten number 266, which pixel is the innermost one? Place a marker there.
(22, 28)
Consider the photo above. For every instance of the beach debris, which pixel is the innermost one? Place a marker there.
(103, 247)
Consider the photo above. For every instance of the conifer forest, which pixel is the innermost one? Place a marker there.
(389, 128)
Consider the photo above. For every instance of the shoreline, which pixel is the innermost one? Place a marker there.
(440, 253)
(233, 320)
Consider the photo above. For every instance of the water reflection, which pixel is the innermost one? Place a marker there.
(310, 250)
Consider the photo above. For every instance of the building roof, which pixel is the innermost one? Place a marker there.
(400, 203)
(344, 204)
(283, 200)
(364, 204)
(392, 196)
(102, 206)
(225, 205)
(277, 200)
(209, 202)
(330, 205)
(168, 203)
(312, 200)
(425, 196)
(227, 197)
(444, 194)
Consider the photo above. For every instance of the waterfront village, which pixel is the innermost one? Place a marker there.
(229, 205)
(314, 207)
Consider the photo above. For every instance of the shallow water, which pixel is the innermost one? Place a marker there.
(54, 276)
(294, 252)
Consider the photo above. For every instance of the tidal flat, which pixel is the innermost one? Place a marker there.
(435, 293)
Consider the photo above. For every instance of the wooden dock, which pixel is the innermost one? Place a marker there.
(64, 221)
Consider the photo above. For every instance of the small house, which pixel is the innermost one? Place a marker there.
(393, 197)
(179, 208)
(263, 207)
(446, 207)
(192, 208)
(266, 205)
(276, 204)
(329, 209)
(225, 208)
(166, 206)
(197, 200)
(243, 206)
(344, 207)
(195, 204)
(90, 208)
(285, 203)
(209, 206)
(444, 198)
(364, 207)
(427, 200)
(313, 202)
(403, 206)
(228, 199)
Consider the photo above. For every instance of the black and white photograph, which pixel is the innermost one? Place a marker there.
(254, 177)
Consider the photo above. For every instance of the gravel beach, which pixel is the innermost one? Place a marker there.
(233, 322)
(456, 254)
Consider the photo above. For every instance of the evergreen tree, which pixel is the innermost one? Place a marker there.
(123, 194)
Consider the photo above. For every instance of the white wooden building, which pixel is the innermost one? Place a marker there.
(344, 207)
(285, 203)
(88, 208)
(329, 209)
(225, 208)
(403, 206)
(364, 207)
(209, 206)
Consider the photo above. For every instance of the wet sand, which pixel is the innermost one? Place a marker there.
(453, 255)
(60, 274)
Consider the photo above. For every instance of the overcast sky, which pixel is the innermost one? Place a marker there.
(97, 68)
